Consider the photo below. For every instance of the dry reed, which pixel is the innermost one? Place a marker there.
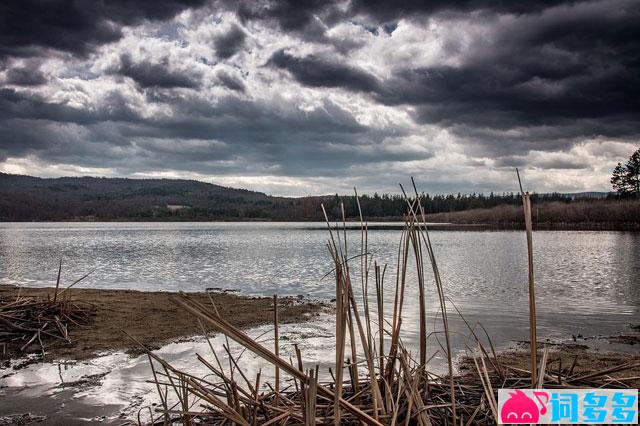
(27, 323)
(388, 387)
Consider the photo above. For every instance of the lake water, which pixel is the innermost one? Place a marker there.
(588, 284)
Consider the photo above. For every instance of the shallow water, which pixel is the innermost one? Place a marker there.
(121, 390)
(588, 283)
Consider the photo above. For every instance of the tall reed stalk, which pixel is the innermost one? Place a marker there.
(533, 338)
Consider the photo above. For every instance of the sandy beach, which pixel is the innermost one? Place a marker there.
(151, 318)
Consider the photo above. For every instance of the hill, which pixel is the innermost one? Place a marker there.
(26, 198)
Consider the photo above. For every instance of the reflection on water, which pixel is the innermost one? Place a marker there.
(122, 382)
(577, 273)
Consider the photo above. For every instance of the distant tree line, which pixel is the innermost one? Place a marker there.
(611, 213)
(385, 205)
(25, 198)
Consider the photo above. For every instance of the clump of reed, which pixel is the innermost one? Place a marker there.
(30, 324)
(376, 379)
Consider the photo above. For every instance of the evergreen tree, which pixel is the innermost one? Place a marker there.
(633, 172)
(626, 179)
(618, 179)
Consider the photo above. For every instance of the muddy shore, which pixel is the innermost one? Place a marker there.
(577, 358)
(152, 318)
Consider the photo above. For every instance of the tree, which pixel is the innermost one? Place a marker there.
(618, 179)
(633, 172)
(626, 179)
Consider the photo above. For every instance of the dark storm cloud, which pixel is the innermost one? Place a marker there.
(573, 65)
(148, 74)
(29, 26)
(231, 82)
(301, 16)
(385, 11)
(251, 122)
(29, 75)
(486, 95)
(553, 64)
(230, 43)
(319, 72)
(22, 106)
(229, 136)
(291, 15)
(30, 124)
(76, 26)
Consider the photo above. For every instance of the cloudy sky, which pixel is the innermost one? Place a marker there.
(306, 97)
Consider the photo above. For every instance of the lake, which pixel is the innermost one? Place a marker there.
(587, 282)
(587, 286)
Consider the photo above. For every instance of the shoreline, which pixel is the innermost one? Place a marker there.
(151, 318)
(70, 402)
(392, 223)
(74, 402)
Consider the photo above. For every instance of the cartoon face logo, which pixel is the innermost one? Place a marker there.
(519, 408)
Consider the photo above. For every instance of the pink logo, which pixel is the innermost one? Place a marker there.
(519, 408)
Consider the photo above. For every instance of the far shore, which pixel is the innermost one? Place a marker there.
(152, 318)
(394, 223)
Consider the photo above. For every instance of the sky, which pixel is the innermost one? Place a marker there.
(312, 97)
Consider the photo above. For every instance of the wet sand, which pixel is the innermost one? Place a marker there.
(152, 318)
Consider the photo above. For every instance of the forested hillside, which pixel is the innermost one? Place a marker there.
(25, 198)
(78, 198)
